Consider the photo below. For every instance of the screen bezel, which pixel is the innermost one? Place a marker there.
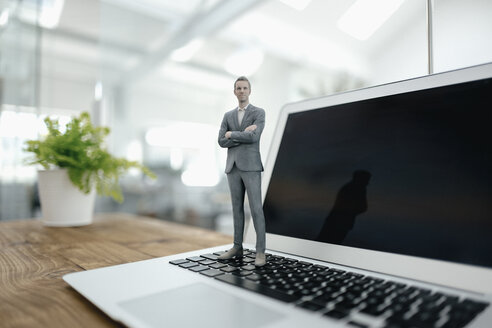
(463, 276)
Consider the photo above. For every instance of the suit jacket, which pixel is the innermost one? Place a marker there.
(243, 148)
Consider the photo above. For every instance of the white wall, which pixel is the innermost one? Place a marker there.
(403, 57)
(462, 33)
(270, 90)
(66, 94)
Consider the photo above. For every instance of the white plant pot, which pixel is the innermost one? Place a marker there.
(62, 203)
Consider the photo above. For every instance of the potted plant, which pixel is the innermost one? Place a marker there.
(76, 166)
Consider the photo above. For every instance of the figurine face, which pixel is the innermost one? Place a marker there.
(242, 91)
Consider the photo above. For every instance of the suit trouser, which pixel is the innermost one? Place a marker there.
(250, 182)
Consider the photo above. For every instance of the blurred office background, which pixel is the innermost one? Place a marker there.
(160, 73)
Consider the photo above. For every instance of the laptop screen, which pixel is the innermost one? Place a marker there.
(409, 173)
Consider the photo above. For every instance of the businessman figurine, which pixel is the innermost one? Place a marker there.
(240, 133)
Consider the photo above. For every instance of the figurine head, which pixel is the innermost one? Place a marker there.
(242, 90)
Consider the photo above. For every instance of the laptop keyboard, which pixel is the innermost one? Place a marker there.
(344, 295)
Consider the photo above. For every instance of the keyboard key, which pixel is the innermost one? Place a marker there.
(262, 271)
(450, 300)
(288, 289)
(352, 303)
(211, 273)
(396, 322)
(311, 306)
(303, 292)
(293, 265)
(424, 318)
(217, 265)
(207, 262)
(195, 258)
(188, 265)
(431, 298)
(374, 310)
(355, 324)
(398, 310)
(176, 262)
(279, 275)
(212, 257)
(403, 300)
(356, 289)
(473, 306)
(252, 286)
(254, 277)
(373, 301)
(431, 307)
(199, 268)
(321, 267)
(242, 273)
(460, 318)
(337, 313)
(373, 281)
(399, 285)
(267, 281)
(324, 273)
(354, 275)
(423, 292)
(453, 323)
(378, 293)
(273, 266)
(229, 269)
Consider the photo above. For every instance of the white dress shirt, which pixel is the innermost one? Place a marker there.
(240, 113)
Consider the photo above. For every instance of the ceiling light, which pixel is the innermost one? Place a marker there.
(297, 4)
(185, 53)
(244, 62)
(364, 17)
(47, 12)
(134, 151)
(4, 17)
(176, 159)
(201, 175)
(50, 13)
(98, 91)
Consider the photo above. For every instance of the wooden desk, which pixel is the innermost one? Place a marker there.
(33, 259)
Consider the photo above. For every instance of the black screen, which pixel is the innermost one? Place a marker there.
(409, 173)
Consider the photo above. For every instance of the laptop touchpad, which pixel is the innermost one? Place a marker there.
(198, 305)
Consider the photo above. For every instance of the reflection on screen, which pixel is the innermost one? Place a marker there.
(408, 174)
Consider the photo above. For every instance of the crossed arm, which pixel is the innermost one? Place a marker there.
(248, 129)
(251, 134)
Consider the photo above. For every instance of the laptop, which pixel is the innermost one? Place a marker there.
(378, 206)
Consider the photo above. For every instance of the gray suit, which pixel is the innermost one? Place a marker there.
(244, 169)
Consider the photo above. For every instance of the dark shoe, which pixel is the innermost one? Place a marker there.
(235, 251)
(260, 259)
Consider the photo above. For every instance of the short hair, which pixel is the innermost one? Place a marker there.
(242, 78)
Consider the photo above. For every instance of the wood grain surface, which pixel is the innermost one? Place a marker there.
(33, 259)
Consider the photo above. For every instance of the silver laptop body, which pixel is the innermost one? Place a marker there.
(395, 136)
